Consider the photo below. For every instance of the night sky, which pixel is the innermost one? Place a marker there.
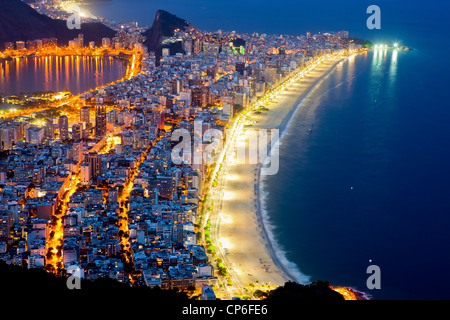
(399, 19)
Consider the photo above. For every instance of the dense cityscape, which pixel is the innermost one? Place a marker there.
(95, 186)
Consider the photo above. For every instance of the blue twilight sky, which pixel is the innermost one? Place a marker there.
(405, 20)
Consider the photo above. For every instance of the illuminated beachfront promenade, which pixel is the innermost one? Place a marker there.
(238, 232)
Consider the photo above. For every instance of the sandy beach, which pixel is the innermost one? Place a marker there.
(242, 231)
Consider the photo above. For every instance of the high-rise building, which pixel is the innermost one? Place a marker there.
(93, 196)
(165, 184)
(270, 75)
(63, 127)
(196, 97)
(34, 134)
(49, 131)
(106, 42)
(176, 86)
(205, 96)
(7, 138)
(240, 67)
(188, 46)
(197, 46)
(186, 96)
(73, 43)
(77, 151)
(208, 293)
(80, 40)
(84, 115)
(20, 45)
(19, 131)
(95, 164)
(227, 109)
(76, 131)
(211, 71)
(113, 195)
(85, 173)
(31, 45)
(111, 116)
(100, 120)
(200, 97)
(241, 99)
(5, 224)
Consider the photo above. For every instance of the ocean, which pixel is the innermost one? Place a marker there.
(369, 183)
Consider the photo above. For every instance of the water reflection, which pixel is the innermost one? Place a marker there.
(393, 66)
(75, 73)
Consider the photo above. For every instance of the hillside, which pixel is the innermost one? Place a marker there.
(16, 280)
(18, 21)
(164, 25)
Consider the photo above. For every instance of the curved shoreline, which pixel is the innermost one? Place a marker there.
(267, 235)
(287, 120)
(252, 251)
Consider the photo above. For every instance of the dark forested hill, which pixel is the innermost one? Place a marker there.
(20, 22)
(164, 25)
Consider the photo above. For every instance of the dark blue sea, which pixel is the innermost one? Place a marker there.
(371, 180)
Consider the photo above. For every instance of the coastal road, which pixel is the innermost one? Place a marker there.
(236, 231)
(237, 288)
